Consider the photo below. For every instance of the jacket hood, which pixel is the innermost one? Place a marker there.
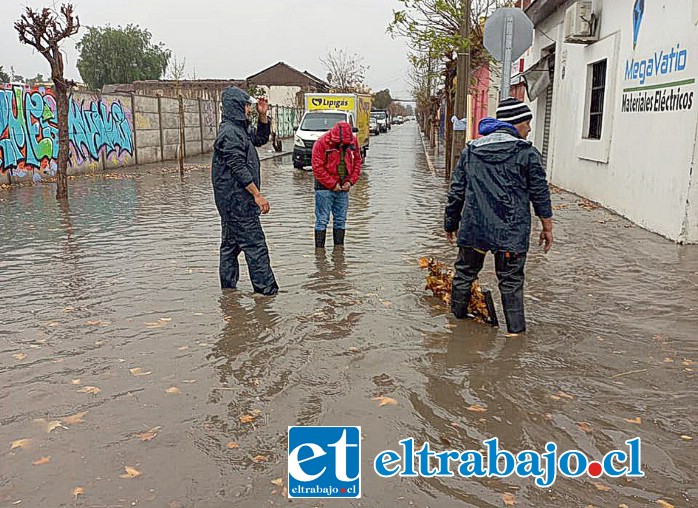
(341, 133)
(501, 141)
(490, 125)
(234, 101)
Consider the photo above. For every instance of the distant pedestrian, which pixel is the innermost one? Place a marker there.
(337, 167)
(496, 179)
(236, 188)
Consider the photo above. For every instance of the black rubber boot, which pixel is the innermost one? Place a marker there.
(320, 239)
(338, 236)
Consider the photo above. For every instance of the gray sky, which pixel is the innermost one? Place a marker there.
(235, 38)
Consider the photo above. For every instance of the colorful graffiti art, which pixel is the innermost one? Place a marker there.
(29, 131)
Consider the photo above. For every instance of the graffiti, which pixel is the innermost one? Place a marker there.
(29, 131)
(209, 117)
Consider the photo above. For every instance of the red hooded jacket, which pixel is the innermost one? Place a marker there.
(326, 153)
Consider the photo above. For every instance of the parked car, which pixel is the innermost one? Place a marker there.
(382, 118)
(398, 119)
(374, 127)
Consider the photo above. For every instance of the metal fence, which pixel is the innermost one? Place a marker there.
(284, 120)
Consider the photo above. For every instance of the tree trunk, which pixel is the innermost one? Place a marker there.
(448, 134)
(62, 106)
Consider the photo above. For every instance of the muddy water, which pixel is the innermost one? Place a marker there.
(127, 279)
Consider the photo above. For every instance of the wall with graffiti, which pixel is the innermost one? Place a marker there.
(101, 132)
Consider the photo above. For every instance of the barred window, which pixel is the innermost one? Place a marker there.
(598, 89)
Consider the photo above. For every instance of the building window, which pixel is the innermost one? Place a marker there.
(598, 89)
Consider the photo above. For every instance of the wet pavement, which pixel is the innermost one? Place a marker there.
(112, 307)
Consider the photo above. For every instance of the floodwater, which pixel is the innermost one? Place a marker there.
(127, 279)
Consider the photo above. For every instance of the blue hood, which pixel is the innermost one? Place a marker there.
(234, 101)
(490, 125)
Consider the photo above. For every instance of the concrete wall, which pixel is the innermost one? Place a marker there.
(642, 167)
(108, 131)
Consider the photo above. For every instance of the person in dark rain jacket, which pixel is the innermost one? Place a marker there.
(336, 167)
(489, 205)
(236, 187)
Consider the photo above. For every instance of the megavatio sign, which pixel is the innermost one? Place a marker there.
(657, 82)
(673, 95)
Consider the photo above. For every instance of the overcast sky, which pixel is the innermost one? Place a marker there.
(235, 38)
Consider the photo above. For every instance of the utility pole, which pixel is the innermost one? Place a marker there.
(463, 79)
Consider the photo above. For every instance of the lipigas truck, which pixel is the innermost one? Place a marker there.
(322, 112)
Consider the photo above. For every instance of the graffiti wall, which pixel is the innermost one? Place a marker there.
(101, 132)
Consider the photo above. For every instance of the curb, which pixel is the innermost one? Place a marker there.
(427, 155)
(275, 155)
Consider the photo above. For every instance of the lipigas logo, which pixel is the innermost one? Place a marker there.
(316, 102)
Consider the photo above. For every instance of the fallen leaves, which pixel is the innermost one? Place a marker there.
(588, 205)
(78, 491)
(137, 371)
(173, 391)
(233, 445)
(259, 459)
(664, 504)
(48, 426)
(90, 389)
(131, 472)
(75, 382)
(149, 434)
(19, 356)
(602, 487)
(76, 418)
(20, 443)
(561, 395)
(477, 408)
(585, 426)
(636, 421)
(509, 499)
(686, 438)
(385, 401)
(279, 482)
(42, 461)
(247, 418)
(98, 323)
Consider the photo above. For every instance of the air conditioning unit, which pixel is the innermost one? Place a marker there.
(580, 23)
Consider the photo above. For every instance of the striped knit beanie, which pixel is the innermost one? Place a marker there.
(513, 111)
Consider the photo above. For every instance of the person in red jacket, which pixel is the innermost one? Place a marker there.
(336, 167)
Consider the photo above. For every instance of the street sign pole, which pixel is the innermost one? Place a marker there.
(508, 34)
(506, 64)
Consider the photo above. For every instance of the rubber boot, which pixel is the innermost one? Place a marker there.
(338, 236)
(320, 239)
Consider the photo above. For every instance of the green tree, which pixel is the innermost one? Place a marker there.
(120, 55)
(382, 99)
(4, 77)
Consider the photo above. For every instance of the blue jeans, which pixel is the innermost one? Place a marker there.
(326, 202)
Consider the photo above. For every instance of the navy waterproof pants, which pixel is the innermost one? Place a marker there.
(509, 267)
(246, 235)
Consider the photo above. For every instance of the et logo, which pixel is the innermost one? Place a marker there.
(324, 462)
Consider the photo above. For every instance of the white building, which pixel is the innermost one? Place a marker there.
(616, 110)
(285, 86)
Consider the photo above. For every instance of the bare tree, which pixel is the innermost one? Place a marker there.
(346, 72)
(45, 30)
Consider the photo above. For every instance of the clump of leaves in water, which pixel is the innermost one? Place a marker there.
(440, 282)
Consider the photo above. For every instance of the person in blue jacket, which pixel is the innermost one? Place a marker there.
(235, 174)
(497, 179)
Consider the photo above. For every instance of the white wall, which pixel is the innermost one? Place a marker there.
(641, 166)
(281, 95)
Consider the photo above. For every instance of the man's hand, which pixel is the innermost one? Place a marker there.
(262, 109)
(346, 186)
(337, 188)
(451, 237)
(262, 203)
(546, 236)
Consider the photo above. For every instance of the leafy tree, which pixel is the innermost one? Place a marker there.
(382, 99)
(345, 72)
(120, 55)
(4, 77)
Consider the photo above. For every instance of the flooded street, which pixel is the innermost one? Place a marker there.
(112, 308)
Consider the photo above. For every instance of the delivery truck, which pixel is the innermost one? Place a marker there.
(322, 112)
